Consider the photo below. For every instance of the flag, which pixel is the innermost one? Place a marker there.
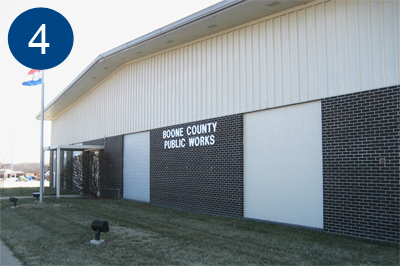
(34, 78)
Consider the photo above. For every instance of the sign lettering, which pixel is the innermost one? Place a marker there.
(196, 135)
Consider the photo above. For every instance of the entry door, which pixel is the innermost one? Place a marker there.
(137, 166)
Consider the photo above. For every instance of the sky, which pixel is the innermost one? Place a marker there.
(98, 27)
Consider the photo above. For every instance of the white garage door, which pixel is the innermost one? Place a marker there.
(137, 166)
(283, 165)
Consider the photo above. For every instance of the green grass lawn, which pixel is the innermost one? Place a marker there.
(57, 232)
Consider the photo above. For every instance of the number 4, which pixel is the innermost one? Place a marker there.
(43, 43)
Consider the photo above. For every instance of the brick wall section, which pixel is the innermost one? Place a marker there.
(113, 172)
(206, 179)
(361, 193)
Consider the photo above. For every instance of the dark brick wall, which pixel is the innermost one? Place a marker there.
(361, 192)
(206, 179)
(112, 179)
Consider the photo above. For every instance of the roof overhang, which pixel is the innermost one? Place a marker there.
(75, 147)
(221, 16)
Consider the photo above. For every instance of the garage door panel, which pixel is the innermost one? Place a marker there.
(137, 166)
(283, 165)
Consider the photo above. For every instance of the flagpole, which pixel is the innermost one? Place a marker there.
(41, 141)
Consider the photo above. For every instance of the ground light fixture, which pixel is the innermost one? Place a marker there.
(12, 199)
(36, 195)
(99, 226)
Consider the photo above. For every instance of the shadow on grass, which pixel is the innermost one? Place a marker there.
(58, 230)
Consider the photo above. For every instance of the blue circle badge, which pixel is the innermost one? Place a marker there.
(40, 38)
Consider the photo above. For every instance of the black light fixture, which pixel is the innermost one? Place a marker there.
(274, 3)
(12, 199)
(212, 26)
(36, 195)
(99, 226)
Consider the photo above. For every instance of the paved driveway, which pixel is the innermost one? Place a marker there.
(12, 182)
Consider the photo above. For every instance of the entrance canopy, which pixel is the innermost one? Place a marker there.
(75, 147)
(60, 148)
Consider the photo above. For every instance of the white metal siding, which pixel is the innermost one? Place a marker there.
(319, 50)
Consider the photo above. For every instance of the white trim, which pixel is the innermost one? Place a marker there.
(75, 147)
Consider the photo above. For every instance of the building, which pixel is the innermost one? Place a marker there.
(283, 111)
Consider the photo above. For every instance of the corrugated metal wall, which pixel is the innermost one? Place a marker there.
(320, 50)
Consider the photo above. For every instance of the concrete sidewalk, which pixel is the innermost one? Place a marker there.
(61, 196)
(6, 256)
(13, 183)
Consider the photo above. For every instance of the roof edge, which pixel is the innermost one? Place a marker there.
(157, 33)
